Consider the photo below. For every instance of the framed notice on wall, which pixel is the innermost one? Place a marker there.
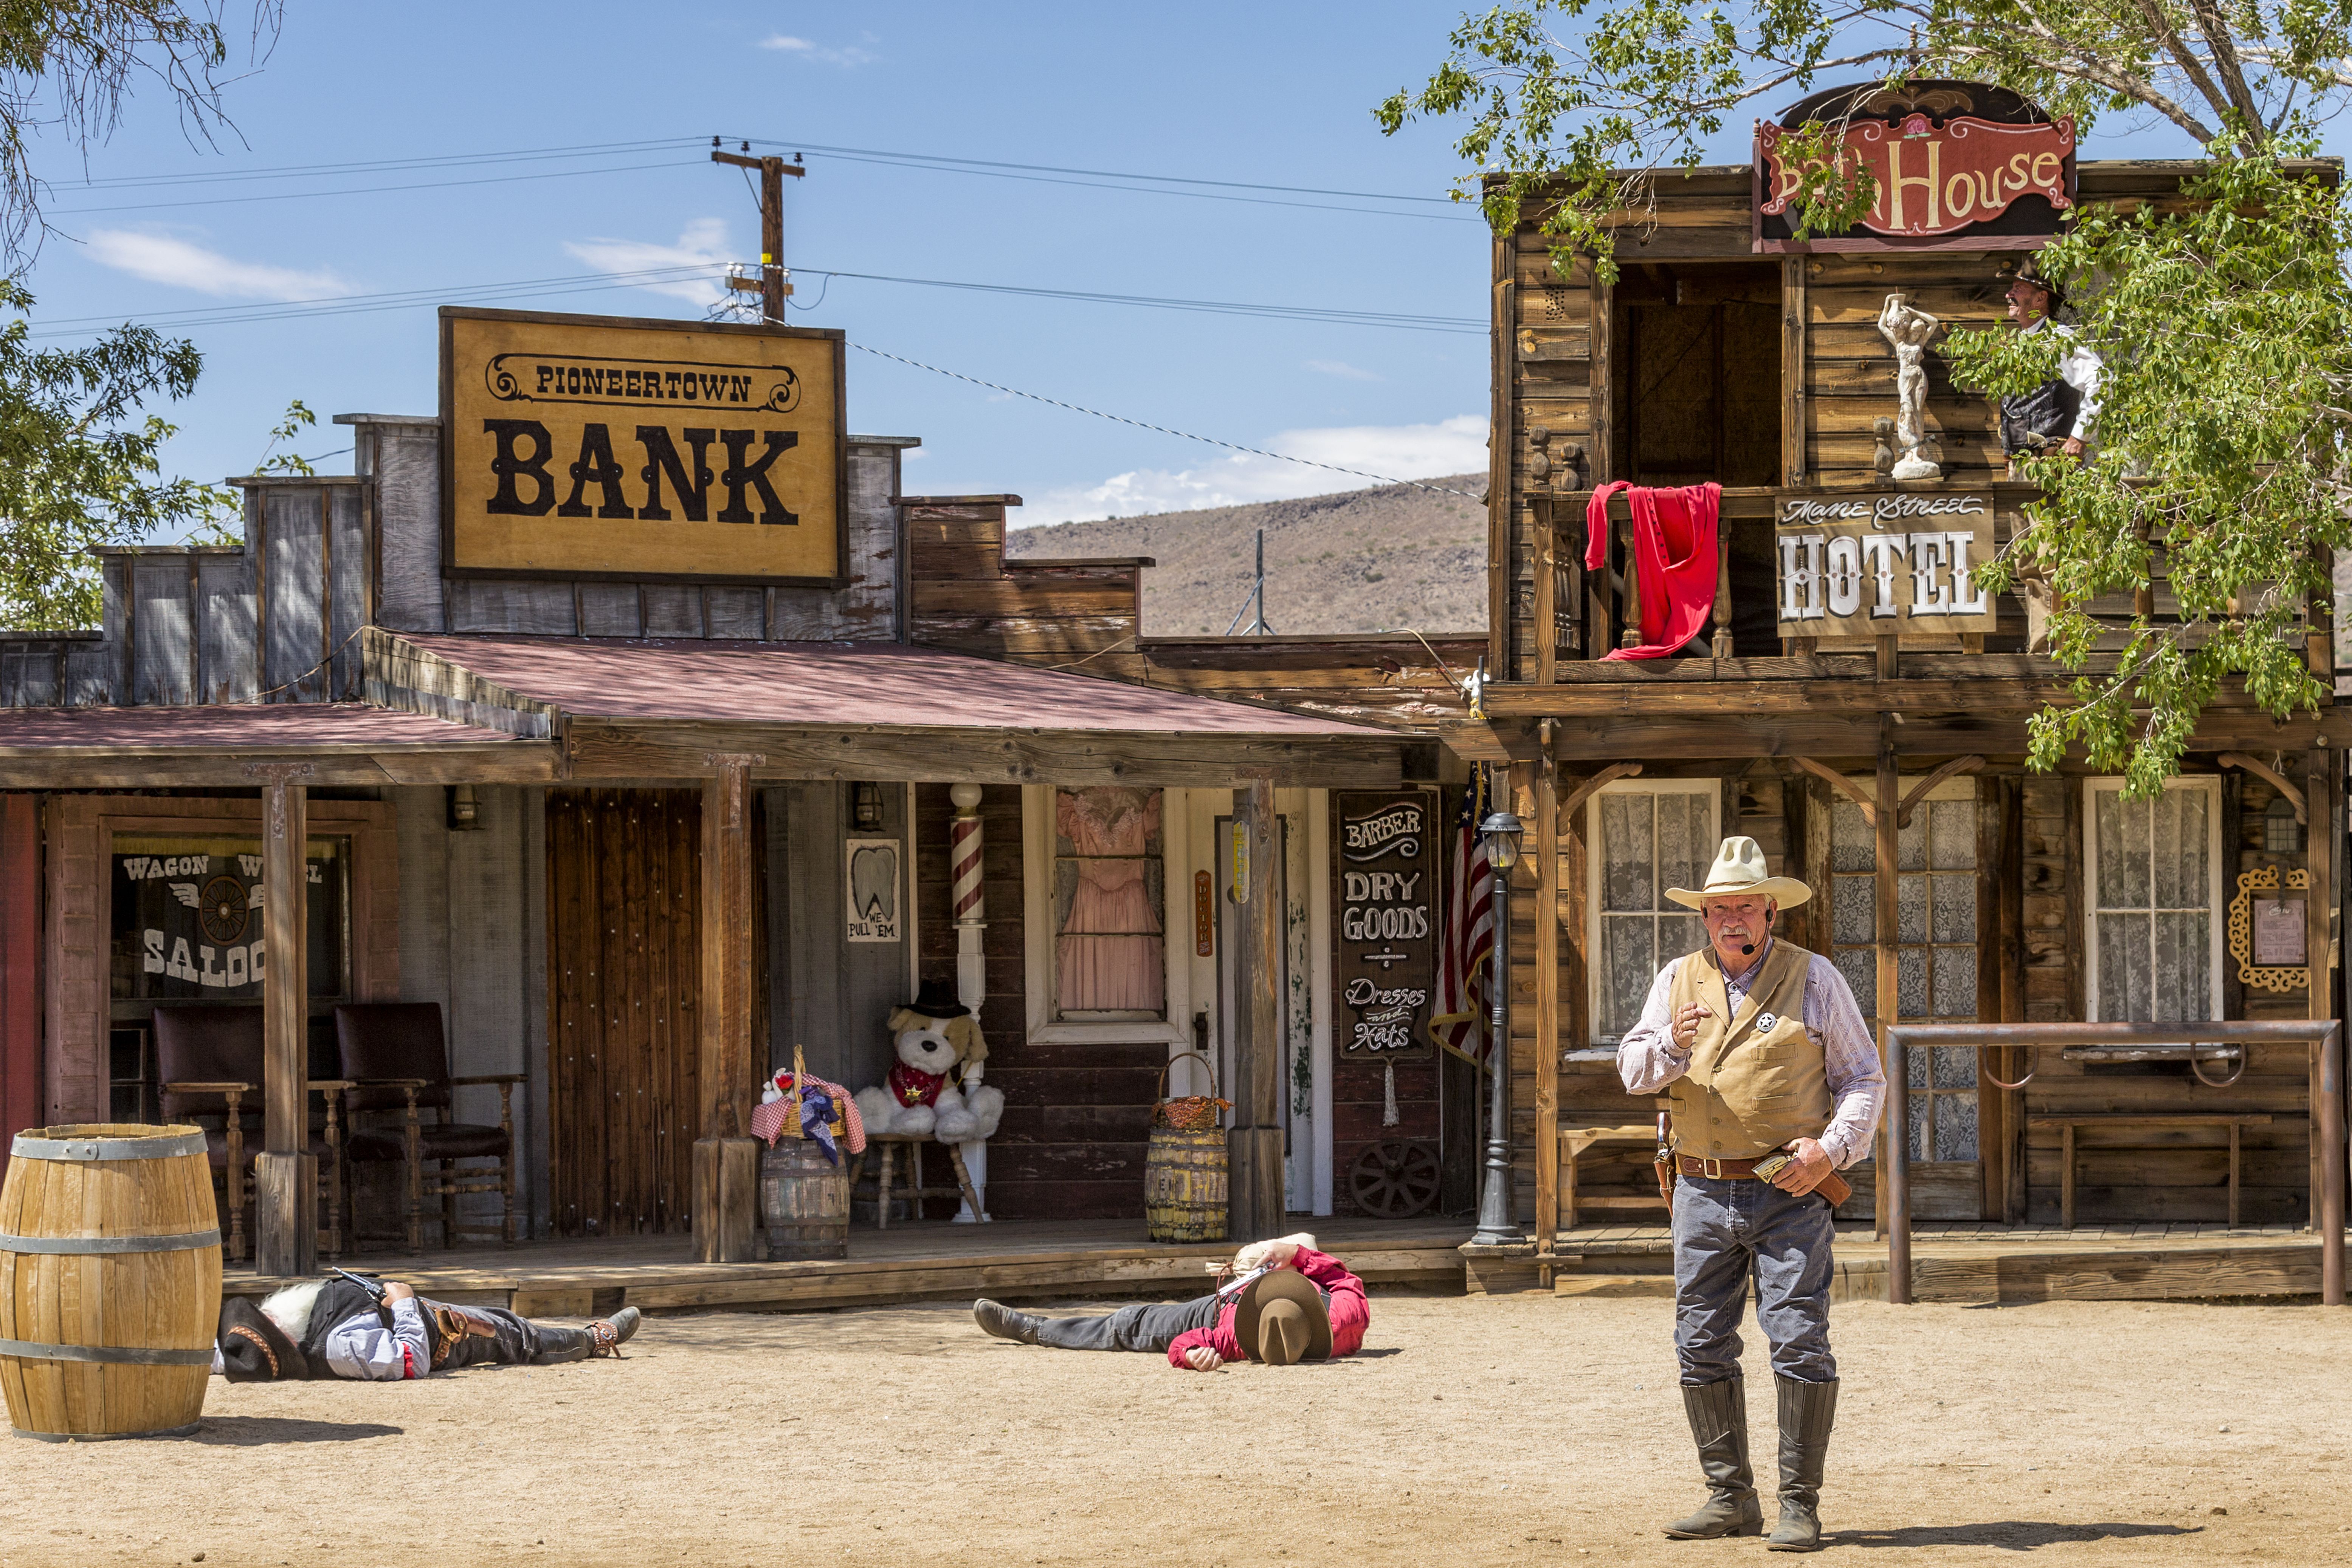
(592, 446)
(1895, 563)
(1385, 895)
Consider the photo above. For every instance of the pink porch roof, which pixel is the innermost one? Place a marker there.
(858, 685)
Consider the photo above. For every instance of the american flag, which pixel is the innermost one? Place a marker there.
(1468, 943)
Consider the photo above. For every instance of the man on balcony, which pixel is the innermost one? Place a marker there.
(2059, 414)
(1768, 1063)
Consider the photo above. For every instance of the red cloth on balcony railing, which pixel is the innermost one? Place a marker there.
(1673, 559)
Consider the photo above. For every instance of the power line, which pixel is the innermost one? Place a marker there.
(1162, 429)
(378, 190)
(360, 304)
(387, 165)
(1097, 173)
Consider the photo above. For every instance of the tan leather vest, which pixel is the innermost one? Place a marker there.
(1755, 1081)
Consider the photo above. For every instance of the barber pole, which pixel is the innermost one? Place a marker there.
(964, 901)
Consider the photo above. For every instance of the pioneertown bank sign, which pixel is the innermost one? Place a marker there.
(587, 447)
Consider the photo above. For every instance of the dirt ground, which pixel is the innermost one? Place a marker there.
(1503, 1430)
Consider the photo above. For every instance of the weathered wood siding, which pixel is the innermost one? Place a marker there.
(472, 939)
(1077, 1117)
(20, 966)
(623, 897)
(829, 996)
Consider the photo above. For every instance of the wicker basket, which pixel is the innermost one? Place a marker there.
(1190, 1112)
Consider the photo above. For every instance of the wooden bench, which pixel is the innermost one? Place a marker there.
(2236, 1122)
(1574, 1140)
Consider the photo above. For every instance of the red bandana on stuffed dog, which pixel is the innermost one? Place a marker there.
(913, 1086)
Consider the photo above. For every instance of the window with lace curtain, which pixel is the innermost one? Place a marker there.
(1109, 952)
(2155, 874)
(1646, 838)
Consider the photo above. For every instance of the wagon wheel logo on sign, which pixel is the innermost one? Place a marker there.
(223, 910)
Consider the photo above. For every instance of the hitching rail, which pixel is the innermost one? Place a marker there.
(2324, 1035)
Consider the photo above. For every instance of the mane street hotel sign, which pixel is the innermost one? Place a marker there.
(593, 446)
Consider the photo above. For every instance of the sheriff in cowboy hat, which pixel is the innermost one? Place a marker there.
(1765, 1060)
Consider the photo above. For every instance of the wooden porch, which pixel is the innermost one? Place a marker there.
(1050, 1259)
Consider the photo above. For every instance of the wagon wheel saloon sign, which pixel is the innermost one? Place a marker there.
(1952, 165)
(588, 447)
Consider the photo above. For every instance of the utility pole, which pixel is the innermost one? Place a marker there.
(1256, 599)
(771, 286)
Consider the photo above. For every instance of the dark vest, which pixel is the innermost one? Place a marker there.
(2048, 411)
(337, 1303)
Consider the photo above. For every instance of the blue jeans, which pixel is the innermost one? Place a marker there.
(1146, 1326)
(1726, 1230)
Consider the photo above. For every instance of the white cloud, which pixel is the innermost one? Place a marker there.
(1456, 446)
(784, 43)
(1341, 369)
(166, 258)
(703, 243)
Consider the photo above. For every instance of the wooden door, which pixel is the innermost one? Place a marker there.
(623, 900)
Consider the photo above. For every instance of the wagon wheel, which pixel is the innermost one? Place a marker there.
(1394, 1180)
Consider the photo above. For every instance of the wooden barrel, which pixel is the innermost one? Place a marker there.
(109, 1281)
(803, 1201)
(1184, 1186)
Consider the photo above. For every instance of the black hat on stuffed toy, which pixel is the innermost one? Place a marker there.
(254, 1349)
(936, 1000)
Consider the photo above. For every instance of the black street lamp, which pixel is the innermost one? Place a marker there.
(1501, 832)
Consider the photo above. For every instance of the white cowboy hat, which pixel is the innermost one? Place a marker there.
(1739, 868)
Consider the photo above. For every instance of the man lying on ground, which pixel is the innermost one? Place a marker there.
(343, 1328)
(1286, 1302)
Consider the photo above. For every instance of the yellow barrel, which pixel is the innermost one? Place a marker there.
(804, 1202)
(1184, 1186)
(109, 1281)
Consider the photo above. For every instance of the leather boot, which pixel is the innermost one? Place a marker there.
(607, 1335)
(1718, 1424)
(1003, 1321)
(1807, 1412)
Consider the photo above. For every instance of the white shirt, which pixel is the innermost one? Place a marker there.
(2079, 367)
(1648, 1059)
(362, 1347)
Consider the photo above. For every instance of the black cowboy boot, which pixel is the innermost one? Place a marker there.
(1718, 1423)
(607, 1335)
(1807, 1412)
(1003, 1321)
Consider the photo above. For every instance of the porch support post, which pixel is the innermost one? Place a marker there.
(727, 1157)
(1547, 1020)
(286, 1175)
(1255, 1145)
(1889, 804)
(2321, 789)
(967, 899)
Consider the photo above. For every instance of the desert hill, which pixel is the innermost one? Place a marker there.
(1391, 559)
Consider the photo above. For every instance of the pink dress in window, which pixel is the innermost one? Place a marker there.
(1107, 956)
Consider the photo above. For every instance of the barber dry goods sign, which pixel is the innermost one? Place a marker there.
(590, 447)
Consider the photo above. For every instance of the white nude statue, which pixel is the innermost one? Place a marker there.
(1907, 329)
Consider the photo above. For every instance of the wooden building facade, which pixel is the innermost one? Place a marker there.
(1950, 882)
(623, 832)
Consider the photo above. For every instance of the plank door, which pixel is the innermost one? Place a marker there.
(624, 898)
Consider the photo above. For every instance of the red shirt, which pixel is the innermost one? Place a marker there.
(1350, 1315)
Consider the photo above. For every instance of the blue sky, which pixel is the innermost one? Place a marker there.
(1256, 94)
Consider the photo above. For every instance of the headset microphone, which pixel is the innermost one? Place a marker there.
(1747, 950)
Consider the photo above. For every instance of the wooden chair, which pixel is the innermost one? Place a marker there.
(883, 1146)
(396, 1059)
(210, 1059)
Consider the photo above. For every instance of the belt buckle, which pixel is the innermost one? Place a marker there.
(1711, 1169)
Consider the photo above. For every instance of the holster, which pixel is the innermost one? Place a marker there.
(1664, 1159)
(1833, 1188)
(451, 1324)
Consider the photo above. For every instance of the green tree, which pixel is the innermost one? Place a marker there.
(79, 460)
(2226, 328)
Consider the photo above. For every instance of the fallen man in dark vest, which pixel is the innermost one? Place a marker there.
(1285, 1303)
(386, 1331)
